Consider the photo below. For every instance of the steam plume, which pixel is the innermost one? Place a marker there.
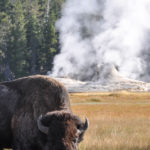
(98, 32)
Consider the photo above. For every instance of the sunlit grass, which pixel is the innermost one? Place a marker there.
(110, 97)
(119, 121)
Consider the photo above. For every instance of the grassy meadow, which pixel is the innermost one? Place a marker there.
(118, 120)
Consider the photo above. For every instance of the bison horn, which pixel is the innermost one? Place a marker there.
(41, 127)
(86, 124)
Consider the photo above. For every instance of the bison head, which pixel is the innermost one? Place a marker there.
(63, 131)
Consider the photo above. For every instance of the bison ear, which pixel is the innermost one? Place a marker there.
(41, 127)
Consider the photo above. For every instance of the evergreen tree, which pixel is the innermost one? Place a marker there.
(19, 62)
(28, 38)
(50, 45)
(5, 38)
(32, 32)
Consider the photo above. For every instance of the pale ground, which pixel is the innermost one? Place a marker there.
(108, 80)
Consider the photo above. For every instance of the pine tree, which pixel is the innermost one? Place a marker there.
(32, 34)
(50, 45)
(28, 38)
(5, 38)
(19, 63)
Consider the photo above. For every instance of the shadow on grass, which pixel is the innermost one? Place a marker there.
(94, 100)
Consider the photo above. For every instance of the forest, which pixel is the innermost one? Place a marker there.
(28, 37)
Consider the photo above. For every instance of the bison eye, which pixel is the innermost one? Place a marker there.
(78, 126)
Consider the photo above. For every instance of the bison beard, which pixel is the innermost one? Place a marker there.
(35, 113)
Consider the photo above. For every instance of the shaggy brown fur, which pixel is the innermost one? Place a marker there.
(22, 101)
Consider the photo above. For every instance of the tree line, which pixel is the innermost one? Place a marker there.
(28, 38)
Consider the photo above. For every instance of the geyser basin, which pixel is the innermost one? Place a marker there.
(129, 85)
(109, 79)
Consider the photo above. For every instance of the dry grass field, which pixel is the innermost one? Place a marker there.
(118, 120)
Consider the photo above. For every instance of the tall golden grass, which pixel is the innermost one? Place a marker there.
(118, 121)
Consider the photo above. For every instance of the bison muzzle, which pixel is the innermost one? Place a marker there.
(35, 114)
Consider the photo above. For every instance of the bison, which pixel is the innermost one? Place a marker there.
(35, 114)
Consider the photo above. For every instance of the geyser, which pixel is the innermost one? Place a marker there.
(94, 33)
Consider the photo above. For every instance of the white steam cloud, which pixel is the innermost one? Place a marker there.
(97, 32)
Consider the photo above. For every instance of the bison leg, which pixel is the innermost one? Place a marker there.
(21, 146)
(23, 132)
(18, 146)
